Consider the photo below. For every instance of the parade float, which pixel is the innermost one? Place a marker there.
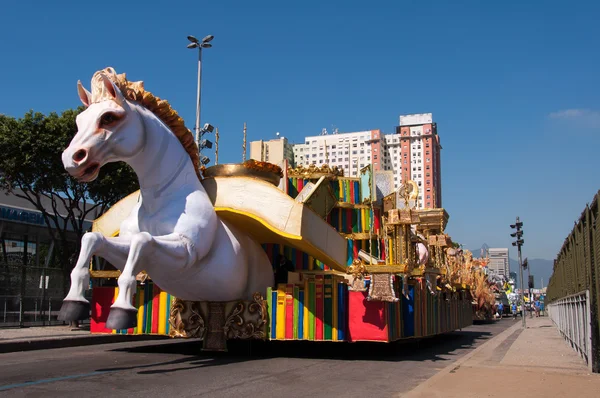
(486, 287)
(195, 250)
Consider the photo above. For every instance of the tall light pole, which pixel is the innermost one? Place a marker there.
(518, 225)
(195, 43)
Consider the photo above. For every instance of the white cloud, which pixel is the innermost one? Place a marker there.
(586, 117)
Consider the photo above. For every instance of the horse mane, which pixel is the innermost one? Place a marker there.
(134, 91)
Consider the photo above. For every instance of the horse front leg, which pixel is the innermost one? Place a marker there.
(75, 307)
(162, 251)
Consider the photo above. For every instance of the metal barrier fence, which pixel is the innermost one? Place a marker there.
(577, 270)
(29, 311)
(571, 315)
(30, 295)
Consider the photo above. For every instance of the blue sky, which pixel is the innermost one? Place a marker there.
(513, 85)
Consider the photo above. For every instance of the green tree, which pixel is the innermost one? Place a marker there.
(31, 168)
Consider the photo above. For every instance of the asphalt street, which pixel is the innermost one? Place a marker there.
(267, 369)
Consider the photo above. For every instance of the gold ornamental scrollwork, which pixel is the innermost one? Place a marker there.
(186, 319)
(247, 320)
(312, 171)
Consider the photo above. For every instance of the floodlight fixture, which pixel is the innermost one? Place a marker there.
(208, 127)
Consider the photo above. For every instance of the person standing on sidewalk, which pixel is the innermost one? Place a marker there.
(513, 307)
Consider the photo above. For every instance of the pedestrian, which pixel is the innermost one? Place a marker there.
(513, 307)
(500, 309)
(537, 308)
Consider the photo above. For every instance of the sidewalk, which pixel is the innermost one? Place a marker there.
(536, 362)
(44, 337)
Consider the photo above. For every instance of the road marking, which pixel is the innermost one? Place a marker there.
(52, 380)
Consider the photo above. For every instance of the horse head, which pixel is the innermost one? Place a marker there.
(109, 130)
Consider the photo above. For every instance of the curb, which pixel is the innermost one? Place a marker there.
(421, 388)
(50, 343)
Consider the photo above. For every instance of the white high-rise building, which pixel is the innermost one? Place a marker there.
(499, 261)
(412, 153)
(347, 151)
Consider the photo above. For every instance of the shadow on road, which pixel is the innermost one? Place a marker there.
(437, 348)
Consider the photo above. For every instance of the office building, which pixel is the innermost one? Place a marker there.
(272, 151)
(499, 261)
(413, 152)
(347, 151)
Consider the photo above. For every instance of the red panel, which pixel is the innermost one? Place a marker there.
(102, 299)
(299, 261)
(320, 307)
(366, 319)
(348, 221)
(155, 307)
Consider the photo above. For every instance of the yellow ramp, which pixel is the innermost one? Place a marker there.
(109, 223)
(263, 211)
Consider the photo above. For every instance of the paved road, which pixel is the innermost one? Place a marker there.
(178, 368)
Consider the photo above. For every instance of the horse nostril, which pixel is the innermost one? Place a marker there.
(79, 155)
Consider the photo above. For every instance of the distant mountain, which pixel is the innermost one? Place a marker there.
(483, 249)
(538, 267)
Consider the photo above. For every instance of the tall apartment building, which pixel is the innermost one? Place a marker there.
(347, 151)
(499, 261)
(413, 152)
(272, 151)
(419, 150)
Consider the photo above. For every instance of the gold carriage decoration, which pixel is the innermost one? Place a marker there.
(314, 172)
(216, 322)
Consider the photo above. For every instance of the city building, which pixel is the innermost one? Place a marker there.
(272, 151)
(499, 261)
(413, 152)
(347, 151)
(27, 251)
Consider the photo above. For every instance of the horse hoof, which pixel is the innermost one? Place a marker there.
(72, 310)
(118, 318)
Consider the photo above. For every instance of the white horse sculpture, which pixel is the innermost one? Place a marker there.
(173, 232)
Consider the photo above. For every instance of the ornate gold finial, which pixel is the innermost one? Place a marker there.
(408, 191)
(357, 269)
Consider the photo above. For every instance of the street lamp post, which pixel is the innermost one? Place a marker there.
(518, 225)
(195, 43)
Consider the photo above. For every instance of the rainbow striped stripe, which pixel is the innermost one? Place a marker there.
(154, 307)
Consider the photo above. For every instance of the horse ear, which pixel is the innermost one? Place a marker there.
(113, 90)
(84, 95)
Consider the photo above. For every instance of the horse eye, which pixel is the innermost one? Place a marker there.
(108, 118)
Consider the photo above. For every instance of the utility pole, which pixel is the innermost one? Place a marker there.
(244, 147)
(217, 146)
(518, 225)
(195, 43)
